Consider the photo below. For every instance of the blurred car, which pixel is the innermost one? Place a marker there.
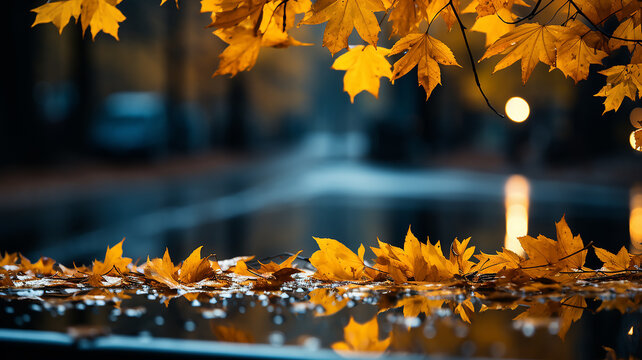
(131, 122)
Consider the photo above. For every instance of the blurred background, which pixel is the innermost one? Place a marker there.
(107, 139)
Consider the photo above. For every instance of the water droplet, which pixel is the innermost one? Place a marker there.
(468, 348)
(9, 310)
(528, 329)
(196, 303)
(190, 326)
(430, 331)
(312, 343)
(276, 338)
(278, 319)
(36, 307)
(159, 320)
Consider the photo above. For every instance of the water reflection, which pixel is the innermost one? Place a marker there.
(447, 320)
(516, 194)
(635, 220)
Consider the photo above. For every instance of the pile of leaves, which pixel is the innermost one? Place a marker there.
(547, 264)
(568, 35)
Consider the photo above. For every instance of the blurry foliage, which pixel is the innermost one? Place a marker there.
(568, 35)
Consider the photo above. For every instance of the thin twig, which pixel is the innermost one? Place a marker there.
(472, 60)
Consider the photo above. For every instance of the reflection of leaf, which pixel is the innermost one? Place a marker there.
(362, 338)
(571, 311)
(327, 299)
(232, 334)
(415, 305)
(465, 309)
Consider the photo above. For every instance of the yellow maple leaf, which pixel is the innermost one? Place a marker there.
(406, 15)
(163, 270)
(58, 13)
(195, 268)
(574, 56)
(621, 81)
(530, 43)
(334, 261)
(460, 255)
(614, 262)
(362, 338)
(8, 259)
(628, 29)
(569, 248)
(44, 265)
(99, 15)
(490, 264)
(114, 263)
(426, 53)
(241, 53)
(364, 66)
(495, 26)
(273, 267)
(343, 16)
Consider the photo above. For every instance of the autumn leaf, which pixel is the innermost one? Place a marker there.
(426, 53)
(406, 15)
(58, 13)
(272, 267)
(99, 15)
(490, 264)
(613, 262)
(621, 81)
(364, 67)
(570, 248)
(114, 263)
(195, 268)
(460, 255)
(530, 43)
(574, 56)
(628, 29)
(163, 271)
(334, 261)
(343, 16)
(495, 26)
(361, 338)
(8, 259)
(44, 265)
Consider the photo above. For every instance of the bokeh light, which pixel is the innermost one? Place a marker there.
(632, 142)
(636, 117)
(517, 109)
(517, 194)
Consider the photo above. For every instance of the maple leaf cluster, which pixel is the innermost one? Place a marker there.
(560, 261)
(570, 42)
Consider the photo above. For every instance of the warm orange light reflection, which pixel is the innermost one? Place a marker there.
(516, 193)
(635, 220)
